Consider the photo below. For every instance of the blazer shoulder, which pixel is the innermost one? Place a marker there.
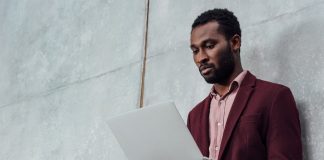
(270, 86)
(199, 108)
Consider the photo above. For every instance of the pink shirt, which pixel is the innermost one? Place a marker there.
(219, 110)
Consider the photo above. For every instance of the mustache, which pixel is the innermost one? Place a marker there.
(203, 66)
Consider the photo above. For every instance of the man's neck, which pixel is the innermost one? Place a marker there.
(223, 88)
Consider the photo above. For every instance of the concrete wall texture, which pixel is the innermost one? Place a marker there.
(66, 67)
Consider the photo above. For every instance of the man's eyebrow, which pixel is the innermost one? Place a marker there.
(208, 40)
(204, 42)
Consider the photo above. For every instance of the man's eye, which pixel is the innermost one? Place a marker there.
(210, 46)
(195, 51)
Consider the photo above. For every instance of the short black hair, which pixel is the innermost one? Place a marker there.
(228, 23)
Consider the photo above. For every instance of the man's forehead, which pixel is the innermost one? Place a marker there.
(205, 31)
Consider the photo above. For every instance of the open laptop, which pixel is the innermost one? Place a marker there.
(155, 132)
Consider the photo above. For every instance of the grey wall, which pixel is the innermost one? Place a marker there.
(66, 67)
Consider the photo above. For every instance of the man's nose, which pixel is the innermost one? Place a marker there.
(201, 57)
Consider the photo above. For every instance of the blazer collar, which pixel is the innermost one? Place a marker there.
(238, 107)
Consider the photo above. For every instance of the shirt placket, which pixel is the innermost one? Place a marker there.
(220, 126)
(219, 121)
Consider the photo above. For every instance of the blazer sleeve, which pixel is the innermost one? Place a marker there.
(284, 133)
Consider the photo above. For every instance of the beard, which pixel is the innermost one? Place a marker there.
(225, 69)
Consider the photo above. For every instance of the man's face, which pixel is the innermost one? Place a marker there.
(212, 53)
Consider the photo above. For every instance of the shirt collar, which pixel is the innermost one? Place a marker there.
(235, 84)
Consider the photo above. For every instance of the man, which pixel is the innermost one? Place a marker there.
(243, 118)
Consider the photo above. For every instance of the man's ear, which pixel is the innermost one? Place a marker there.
(235, 43)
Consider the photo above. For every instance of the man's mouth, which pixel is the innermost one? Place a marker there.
(205, 69)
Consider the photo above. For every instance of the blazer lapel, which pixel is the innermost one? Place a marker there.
(239, 104)
(205, 127)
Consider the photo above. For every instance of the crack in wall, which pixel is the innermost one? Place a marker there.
(66, 85)
(285, 14)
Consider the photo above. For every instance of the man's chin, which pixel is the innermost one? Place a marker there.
(210, 80)
(214, 79)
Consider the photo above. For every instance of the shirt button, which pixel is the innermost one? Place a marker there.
(216, 148)
(219, 124)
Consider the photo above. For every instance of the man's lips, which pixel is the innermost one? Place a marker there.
(205, 69)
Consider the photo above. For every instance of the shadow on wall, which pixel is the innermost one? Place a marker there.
(304, 128)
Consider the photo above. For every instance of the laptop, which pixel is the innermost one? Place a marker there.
(154, 132)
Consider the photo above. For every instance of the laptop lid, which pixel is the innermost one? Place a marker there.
(154, 132)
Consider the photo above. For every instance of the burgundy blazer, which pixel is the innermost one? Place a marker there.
(263, 124)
